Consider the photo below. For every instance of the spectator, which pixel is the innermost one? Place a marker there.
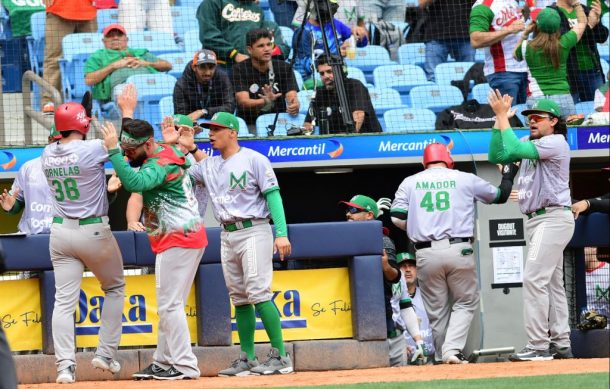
(595, 204)
(546, 56)
(222, 24)
(600, 103)
(203, 89)
(139, 15)
(326, 100)
(349, 13)
(441, 226)
(112, 65)
(597, 281)
(499, 37)
(399, 311)
(407, 264)
(311, 41)
(262, 84)
(585, 72)
(63, 17)
(283, 11)
(388, 10)
(446, 33)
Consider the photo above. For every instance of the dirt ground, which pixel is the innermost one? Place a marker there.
(411, 373)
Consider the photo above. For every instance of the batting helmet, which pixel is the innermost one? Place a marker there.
(72, 117)
(437, 152)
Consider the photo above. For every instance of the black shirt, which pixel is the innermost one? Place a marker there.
(247, 79)
(447, 19)
(358, 98)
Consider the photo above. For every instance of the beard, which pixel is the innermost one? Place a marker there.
(137, 161)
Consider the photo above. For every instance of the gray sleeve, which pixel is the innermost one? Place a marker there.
(550, 146)
(98, 151)
(263, 173)
(196, 172)
(18, 184)
(482, 190)
(401, 198)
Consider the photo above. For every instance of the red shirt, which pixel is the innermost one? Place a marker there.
(73, 9)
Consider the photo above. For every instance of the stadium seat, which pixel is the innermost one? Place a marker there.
(446, 72)
(409, 119)
(166, 106)
(368, 58)
(435, 97)
(157, 42)
(76, 49)
(412, 54)
(479, 55)
(287, 34)
(480, 92)
(399, 77)
(191, 41)
(384, 99)
(356, 74)
(604, 50)
(605, 67)
(304, 100)
(151, 89)
(520, 108)
(299, 79)
(243, 132)
(284, 121)
(189, 3)
(106, 17)
(585, 107)
(606, 20)
(183, 19)
(36, 41)
(178, 61)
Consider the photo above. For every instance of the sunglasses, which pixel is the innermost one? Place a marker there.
(537, 118)
(353, 210)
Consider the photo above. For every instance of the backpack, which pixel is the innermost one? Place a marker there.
(387, 35)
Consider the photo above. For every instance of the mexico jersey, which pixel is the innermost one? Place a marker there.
(440, 203)
(75, 174)
(236, 185)
(32, 189)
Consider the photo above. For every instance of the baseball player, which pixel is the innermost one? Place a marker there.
(439, 203)
(407, 264)
(244, 192)
(400, 315)
(81, 237)
(176, 233)
(544, 196)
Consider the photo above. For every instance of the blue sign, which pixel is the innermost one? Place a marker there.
(593, 138)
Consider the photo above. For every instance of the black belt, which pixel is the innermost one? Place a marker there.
(425, 245)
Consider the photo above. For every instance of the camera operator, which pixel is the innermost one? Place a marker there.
(325, 106)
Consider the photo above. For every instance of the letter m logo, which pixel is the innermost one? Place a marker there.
(235, 181)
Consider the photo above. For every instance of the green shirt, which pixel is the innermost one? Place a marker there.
(583, 55)
(545, 80)
(20, 14)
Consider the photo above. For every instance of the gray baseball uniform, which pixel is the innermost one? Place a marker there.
(33, 191)
(236, 187)
(398, 344)
(440, 204)
(424, 324)
(544, 195)
(81, 237)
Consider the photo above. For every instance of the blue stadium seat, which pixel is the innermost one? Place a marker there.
(151, 89)
(191, 41)
(384, 99)
(299, 79)
(605, 66)
(480, 92)
(166, 106)
(244, 132)
(520, 108)
(585, 107)
(5, 26)
(106, 17)
(400, 77)
(178, 61)
(435, 97)
(287, 34)
(284, 121)
(409, 119)
(368, 58)
(604, 50)
(189, 3)
(157, 42)
(412, 54)
(479, 55)
(36, 41)
(606, 20)
(76, 49)
(356, 74)
(304, 100)
(183, 19)
(446, 72)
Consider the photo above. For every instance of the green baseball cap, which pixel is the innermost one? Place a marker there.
(548, 20)
(404, 257)
(545, 106)
(182, 120)
(223, 119)
(363, 202)
(53, 133)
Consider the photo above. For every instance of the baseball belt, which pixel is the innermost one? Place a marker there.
(240, 225)
(81, 222)
(542, 211)
(425, 245)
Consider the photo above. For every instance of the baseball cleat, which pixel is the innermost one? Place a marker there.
(148, 372)
(171, 374)
(106, 364)
(561, 352)
(457, 359)
(240, 367)
(528, 354)
(67, 375)
(275, 364)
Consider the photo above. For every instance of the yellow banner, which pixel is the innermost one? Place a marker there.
(20, 314)
(140, 319)
(313, 304)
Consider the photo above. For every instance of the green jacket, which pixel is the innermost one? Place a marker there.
(223, 25)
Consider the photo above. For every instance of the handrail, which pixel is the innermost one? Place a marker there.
(29, 111)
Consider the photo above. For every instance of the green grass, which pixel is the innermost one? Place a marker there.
(563, 381)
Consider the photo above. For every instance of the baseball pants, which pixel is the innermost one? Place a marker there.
(175, 270)
(398, 349)
(446, 275)
(74, 247)
(545, 307)
(246, 257)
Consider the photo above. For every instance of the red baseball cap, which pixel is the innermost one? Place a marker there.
(114, 26)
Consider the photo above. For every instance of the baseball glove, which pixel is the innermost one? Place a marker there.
(591, 320)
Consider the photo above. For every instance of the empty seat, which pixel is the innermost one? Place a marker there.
(384, 99)
(178, 61)
(400, 77)
(36, 41)
(369, 57)
(480, 92)
(585, 107)
(435, 97)
(106, 17)
(76, 49)
(184, 18)
(446, 72)
(191, 41)
(409, 119)
(412, 54)
(157, 42)
(284, 122)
